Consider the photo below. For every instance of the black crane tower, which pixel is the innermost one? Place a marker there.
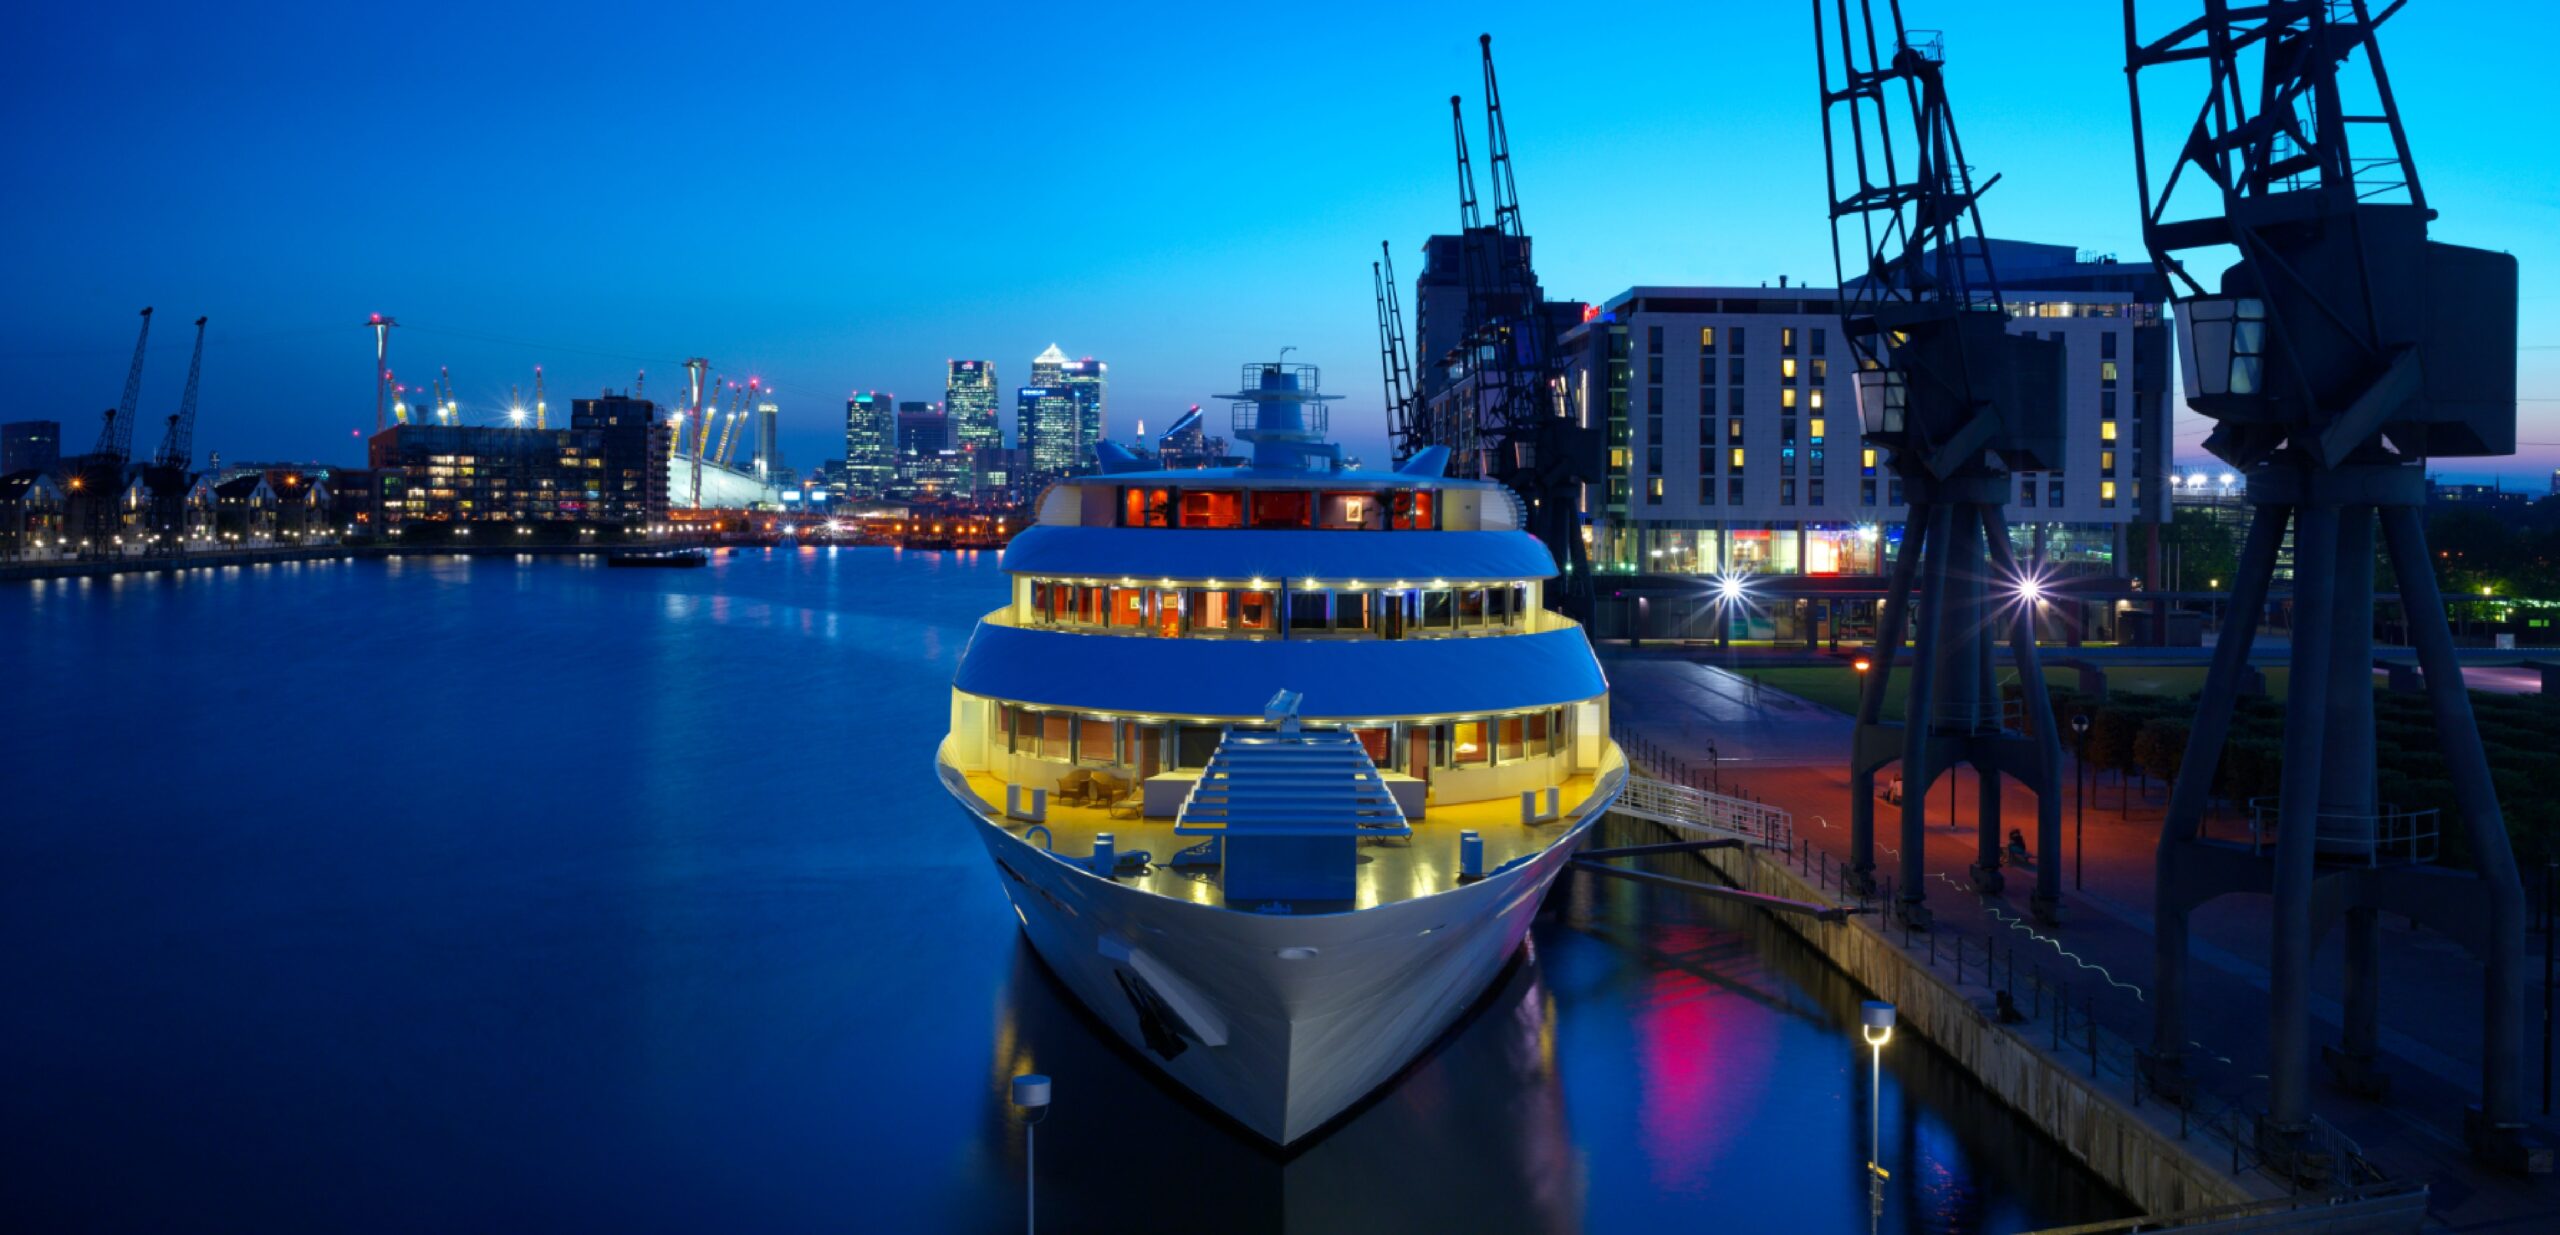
(1957, 402)
(2341, 350)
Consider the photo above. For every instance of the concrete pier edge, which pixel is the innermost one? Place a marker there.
(2119, 1143)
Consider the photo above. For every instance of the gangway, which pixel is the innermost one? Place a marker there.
(1699, 812)
(1719, 822)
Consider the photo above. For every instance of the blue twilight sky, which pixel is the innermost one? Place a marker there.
(837, 197)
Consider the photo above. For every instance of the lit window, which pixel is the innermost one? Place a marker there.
(1706, 338)
(1817, 400)
(2107, 371)
(1867, 457)
(1787, 338)
(2107, 492)
(1817, 428)
(2106, 430)
(1653, 490)
(1787, 397)
(1787, 368)
(1737, 457)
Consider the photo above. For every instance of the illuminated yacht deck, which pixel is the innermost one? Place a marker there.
(1390, 869)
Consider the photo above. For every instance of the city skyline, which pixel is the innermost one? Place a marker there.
(1704, 169)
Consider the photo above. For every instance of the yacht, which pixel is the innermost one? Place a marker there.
(1276, 761)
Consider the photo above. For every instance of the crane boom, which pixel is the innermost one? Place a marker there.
(178, 449)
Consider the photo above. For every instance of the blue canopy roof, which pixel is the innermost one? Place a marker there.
(1177, 553)
(1341, 679)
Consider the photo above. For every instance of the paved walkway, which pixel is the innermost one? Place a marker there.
(1791, 753)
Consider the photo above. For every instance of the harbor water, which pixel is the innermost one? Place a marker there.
(448, 894)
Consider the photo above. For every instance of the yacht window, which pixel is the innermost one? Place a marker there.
(1142, 507)
(1129, 606)
(1209, 610)
(1095, 740)
(1377, 741)
(1039, 600)
(1390, 608)
(1467, 744)
(1351, 611)
(1168, 602)
(1253, 611)
(1309, 612)
(1513, 742)
(1142, 747)
(1519, 604)
(1540, 731)
(1352, 510)
(1471, 606)
(1057, 735)
(1436, 609)
(1283, 508)
(1090, 602)
(1412, 509)
(1194, 744)
(1212, 508)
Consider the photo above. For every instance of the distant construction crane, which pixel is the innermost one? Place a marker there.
(1394, 357)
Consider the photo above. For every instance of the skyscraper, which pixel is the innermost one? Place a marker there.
(1045, 418)
(969, 398)
(922, 430)
(768, 445)
(1084, 381)
(870, 444)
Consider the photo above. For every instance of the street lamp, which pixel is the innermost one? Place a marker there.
(1031, 1097)
(2079, 799)
(1875, 1024)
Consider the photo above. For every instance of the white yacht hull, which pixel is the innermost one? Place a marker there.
(1282, 1021)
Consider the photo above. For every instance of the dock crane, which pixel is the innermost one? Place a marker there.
(1445, 426)
(2342, 352)
(99, 486)
(1957, 402)
(1394, 358)
(1523, 436)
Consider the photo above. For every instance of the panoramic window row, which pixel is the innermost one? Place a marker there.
(1275, 613)
(1410, 748)
(1403, 510)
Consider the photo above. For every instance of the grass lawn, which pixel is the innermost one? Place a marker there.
(1837, 689)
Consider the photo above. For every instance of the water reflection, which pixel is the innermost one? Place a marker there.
(1471, 1138)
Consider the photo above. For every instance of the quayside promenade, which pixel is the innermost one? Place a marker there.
(1672, 703)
